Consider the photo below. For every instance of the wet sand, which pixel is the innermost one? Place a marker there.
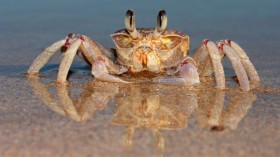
(92, 118)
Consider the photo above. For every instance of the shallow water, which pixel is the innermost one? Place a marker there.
(92, 118)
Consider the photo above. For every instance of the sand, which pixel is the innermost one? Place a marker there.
(92, 118)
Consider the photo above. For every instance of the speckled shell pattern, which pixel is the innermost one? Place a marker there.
(165, 58)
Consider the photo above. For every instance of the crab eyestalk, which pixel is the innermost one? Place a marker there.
(130, 24)
(161, 23)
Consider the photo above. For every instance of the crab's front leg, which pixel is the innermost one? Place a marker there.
(99, 58)
(94, 54)
(185, 74)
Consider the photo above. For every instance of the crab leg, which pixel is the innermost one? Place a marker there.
(45, 56)
(201, 57)
(67, 60)
(217, 64)
(237, 66)
(249, 67)
(208, 59)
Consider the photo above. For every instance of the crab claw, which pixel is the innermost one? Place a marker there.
(100, 72)
(188, 74)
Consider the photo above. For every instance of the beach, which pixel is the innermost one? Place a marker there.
(87, 117)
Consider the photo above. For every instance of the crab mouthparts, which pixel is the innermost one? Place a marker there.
(142, 53)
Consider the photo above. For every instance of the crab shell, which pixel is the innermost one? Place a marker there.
(147, 52)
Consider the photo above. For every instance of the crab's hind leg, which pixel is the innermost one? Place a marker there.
(45, 56)
(215, 56)
(208, 59)
(249, 67)
(237, 66)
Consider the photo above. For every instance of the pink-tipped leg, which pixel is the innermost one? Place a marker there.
(187, 75)
(217, 66)
(67, 61)
(248, 65)
(208, 59)
(237, 66)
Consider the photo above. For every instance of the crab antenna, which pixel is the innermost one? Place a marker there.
(161, 23)
(130, 23)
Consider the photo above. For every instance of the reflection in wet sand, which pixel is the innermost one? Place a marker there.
(79, 109)
(151, 106)
(154, 112)
(212, 113)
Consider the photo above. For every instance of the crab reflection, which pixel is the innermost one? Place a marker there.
(155, 112)
(150, 106)
(81, 108)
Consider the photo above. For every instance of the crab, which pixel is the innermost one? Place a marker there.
(161, 51)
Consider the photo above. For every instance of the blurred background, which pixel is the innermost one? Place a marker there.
(26, 27)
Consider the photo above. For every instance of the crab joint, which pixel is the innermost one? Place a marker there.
(82, 39)
(188, 60)
(101, 59)
(205, 41)
(228, 42)
(221, 46)
(70, 35)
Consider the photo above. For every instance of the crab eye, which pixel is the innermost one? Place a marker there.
(168, 42)
(123, 40)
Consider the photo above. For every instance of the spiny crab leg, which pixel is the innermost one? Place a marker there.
(45, 56)
(237, 66)
(249, 67)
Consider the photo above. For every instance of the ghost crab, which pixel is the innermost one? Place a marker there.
(159, 50)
